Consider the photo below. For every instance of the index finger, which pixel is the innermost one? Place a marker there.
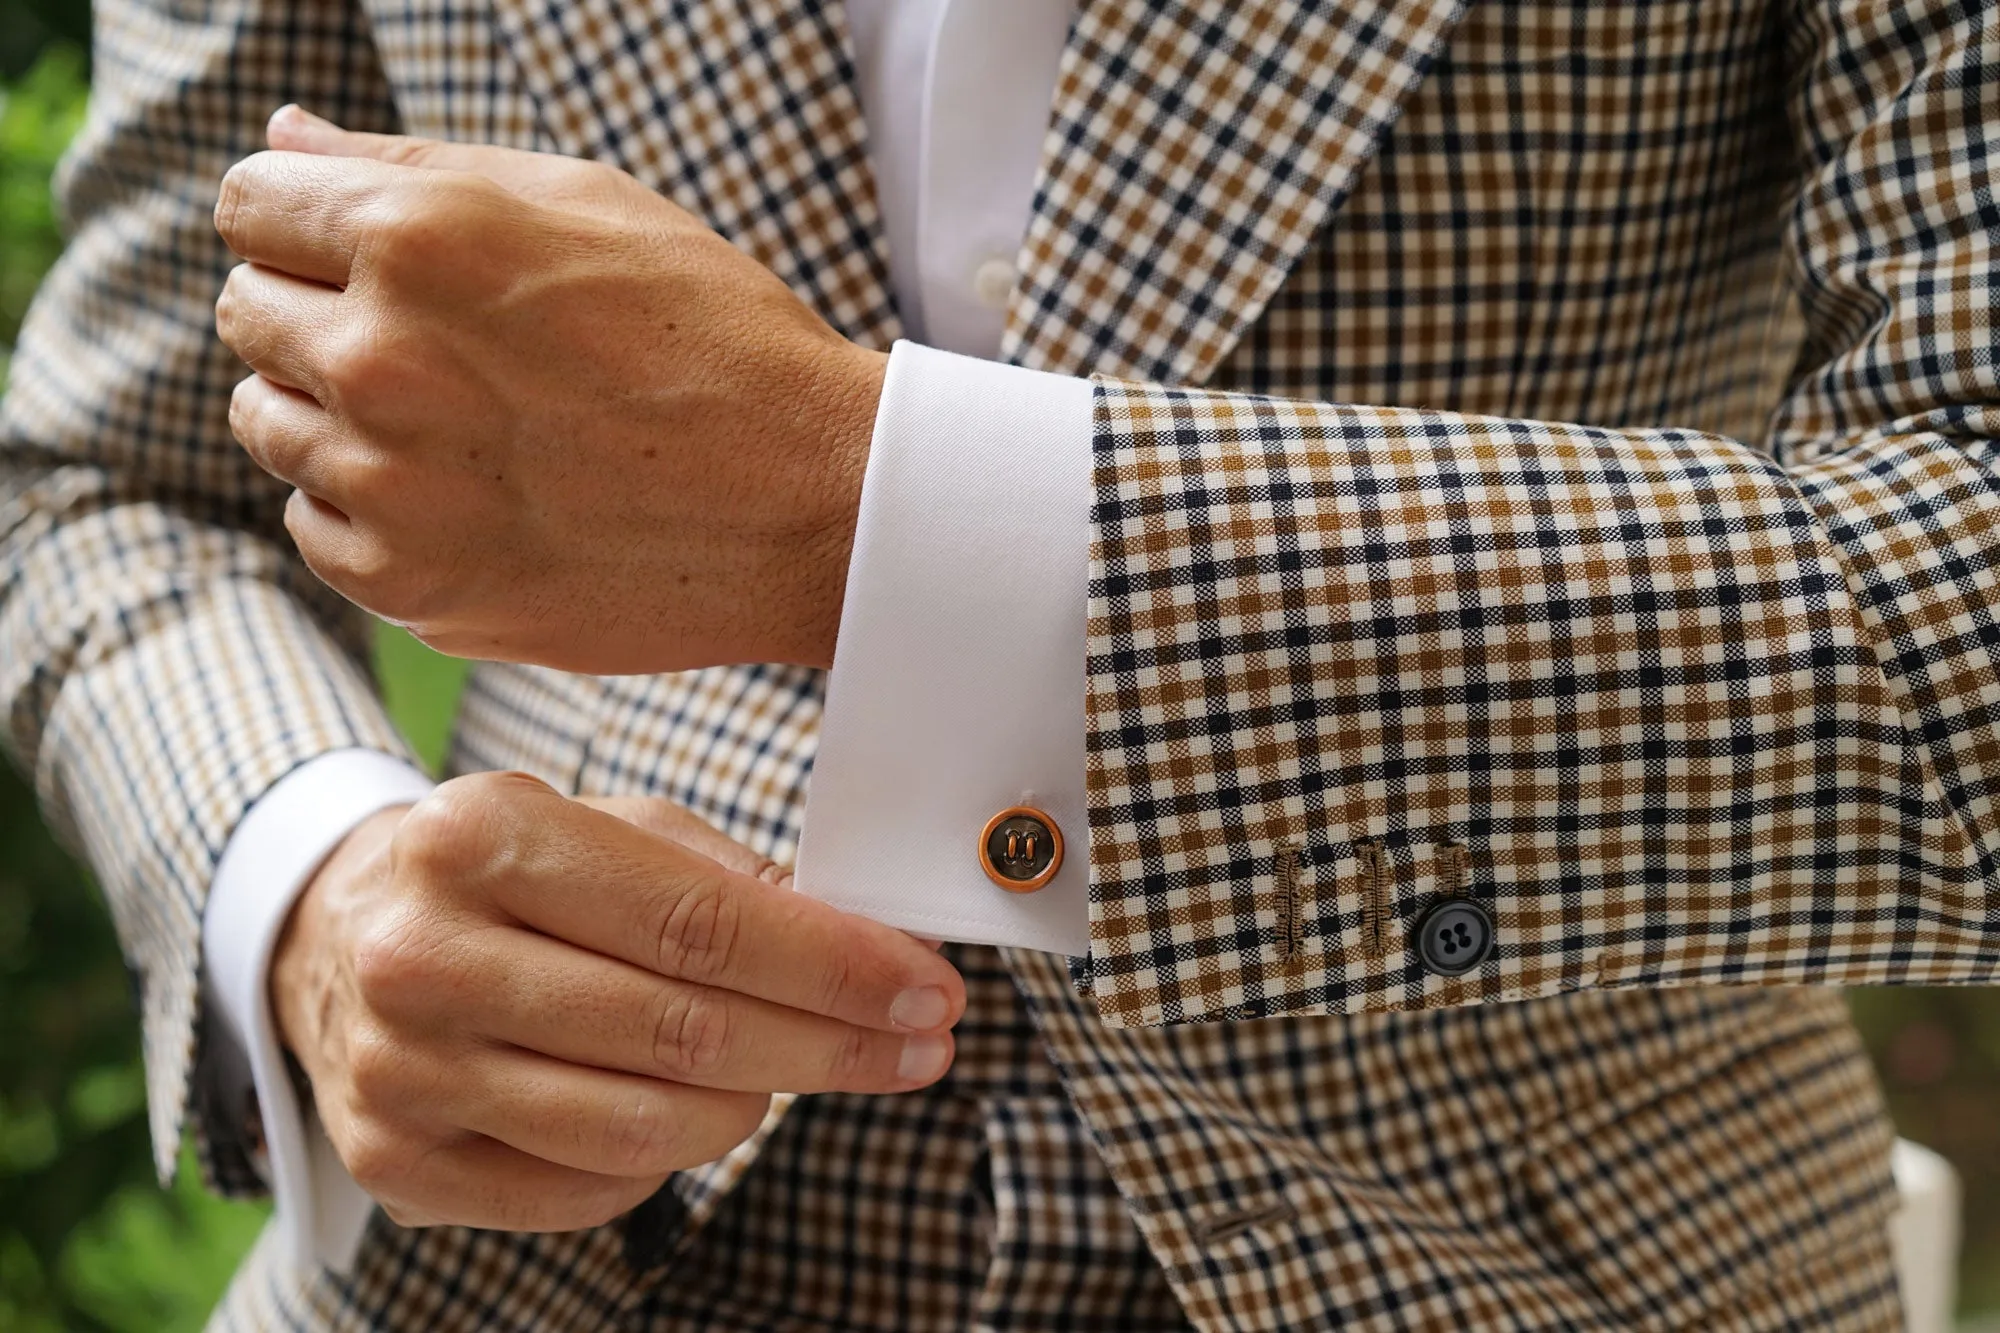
(602, 884)
(302, 213)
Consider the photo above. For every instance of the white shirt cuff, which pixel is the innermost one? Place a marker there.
(957, 685)
(276, 848)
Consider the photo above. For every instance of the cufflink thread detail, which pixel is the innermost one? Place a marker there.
(1021, 849)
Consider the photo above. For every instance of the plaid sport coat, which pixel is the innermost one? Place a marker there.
(1545, 455)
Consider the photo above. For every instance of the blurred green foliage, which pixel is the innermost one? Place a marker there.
(29, 27)
(41, 111)
(89, 1242)
(1937, 1050)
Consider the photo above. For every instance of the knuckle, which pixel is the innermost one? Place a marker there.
(840, 978)
(447, 640)
(349, 562)
(687, 251)
(590, 181)
(406, 150)
(375, 1156)
(229, 202)
(692, 1034)
(368, 478)
(408, 1218)
(376, 1073)
(395, 962)
(228, 305)
(407, 241)
(639, 1135)
(305, 535)
(239, 323)
(467, 829)
(245, 414)
(494, 791)
(387, 584)
(447, 834)
(849, 1062)
(355, 371)
(426, 231)
(500, 784)
(698, 937)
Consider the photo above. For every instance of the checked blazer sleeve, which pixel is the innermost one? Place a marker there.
(1678, 709)
(165, 657)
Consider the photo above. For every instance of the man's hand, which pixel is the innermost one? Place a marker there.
(536, 412)
(522, 1012)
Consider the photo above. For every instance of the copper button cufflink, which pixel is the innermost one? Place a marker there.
(1021, 849)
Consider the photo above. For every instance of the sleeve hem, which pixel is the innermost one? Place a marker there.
(957, 683)
(281, 841)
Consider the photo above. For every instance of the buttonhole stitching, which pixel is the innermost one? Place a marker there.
(1451, 868)
(1229, 1226)
(1374, 898)
(1290, 932)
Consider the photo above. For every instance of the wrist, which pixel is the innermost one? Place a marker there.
(304, 975)
(842, 416)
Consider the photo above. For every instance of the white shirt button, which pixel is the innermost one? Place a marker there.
(992, 281)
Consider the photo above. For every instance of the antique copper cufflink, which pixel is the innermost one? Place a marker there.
(1020, 849)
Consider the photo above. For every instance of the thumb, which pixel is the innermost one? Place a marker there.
(531, 175)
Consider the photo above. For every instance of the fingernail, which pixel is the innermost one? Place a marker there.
(919, 1008)
(923, 1059)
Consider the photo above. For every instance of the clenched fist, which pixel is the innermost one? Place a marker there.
(523, 1012)
(536, 412)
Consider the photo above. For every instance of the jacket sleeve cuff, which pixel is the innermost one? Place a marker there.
(281, 841)
(957, 685)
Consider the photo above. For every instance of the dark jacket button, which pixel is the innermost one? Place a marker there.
(1455, 936)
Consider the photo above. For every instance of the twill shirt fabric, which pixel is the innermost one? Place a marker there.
(1547, 444)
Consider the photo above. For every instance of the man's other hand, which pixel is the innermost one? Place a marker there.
(523, 1012)
(536, 412)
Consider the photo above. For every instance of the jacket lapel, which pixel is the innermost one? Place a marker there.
(741, 111)
(1194, 149)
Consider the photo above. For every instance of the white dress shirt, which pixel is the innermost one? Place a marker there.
(957, 683)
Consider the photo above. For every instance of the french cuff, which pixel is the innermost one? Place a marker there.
(287, 834)
(956, 695)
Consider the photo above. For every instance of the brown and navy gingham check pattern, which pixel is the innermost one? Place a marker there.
(1697, 689)
(978, 1203)
(1680, 708)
